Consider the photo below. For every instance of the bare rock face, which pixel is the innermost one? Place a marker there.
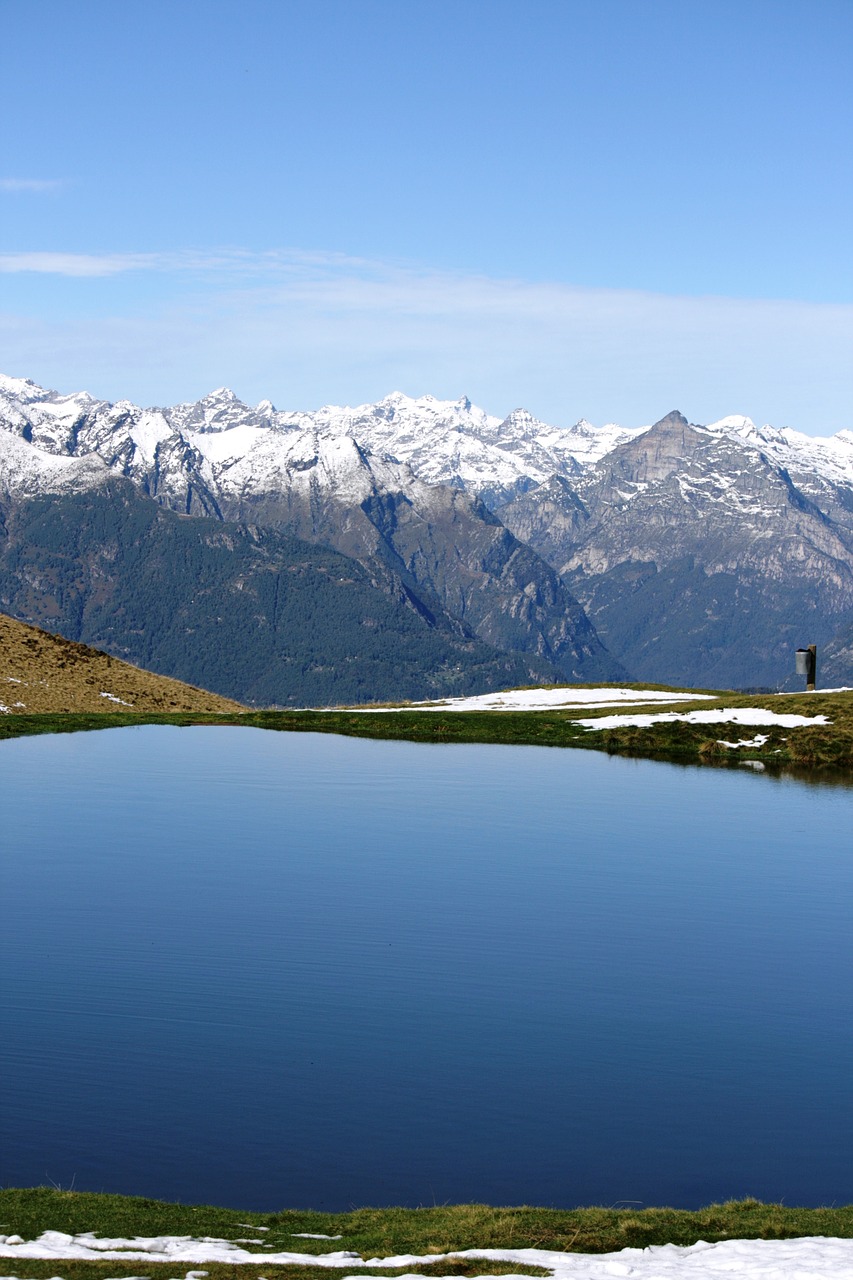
(700, 560)
(551, 518)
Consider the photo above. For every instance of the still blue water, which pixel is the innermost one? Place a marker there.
(269, 970)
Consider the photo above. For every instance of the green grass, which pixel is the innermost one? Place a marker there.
(827, 749)
(378, 1233)
(75, 1270)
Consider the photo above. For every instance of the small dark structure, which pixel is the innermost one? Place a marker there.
(807, 664)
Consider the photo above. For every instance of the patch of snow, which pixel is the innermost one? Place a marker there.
(113, 698)
(845, 688)
(563, 699)
(809, 1257)
(313, 1235)
(722, 715)
(227, 446)
(758, 741)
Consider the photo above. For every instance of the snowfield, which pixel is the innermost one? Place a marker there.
(562, 699)
(722, 715)
(807, 1258)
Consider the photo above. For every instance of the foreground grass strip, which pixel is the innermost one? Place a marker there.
(378, 1233)
(812, 747)
(112, 1270)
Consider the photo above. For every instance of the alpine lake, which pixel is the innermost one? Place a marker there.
(282, 969)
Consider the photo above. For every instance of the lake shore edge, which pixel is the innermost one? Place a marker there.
(820, 749)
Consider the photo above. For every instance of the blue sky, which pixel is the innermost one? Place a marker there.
(605, 208)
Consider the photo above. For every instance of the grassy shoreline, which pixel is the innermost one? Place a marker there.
(823, 749)
(381, 1233)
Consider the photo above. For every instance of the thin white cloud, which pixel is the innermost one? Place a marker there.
(274, 264)
(335, 282)
(308, 327)
(35, 186)
(67, 264)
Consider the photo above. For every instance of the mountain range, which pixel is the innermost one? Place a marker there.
(466, 551)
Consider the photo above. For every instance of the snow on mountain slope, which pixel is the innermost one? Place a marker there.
(230, 446)
(454, 442)
(249, 461)
(26, 471)
(220, 410)
(443, 441)
(830, 457)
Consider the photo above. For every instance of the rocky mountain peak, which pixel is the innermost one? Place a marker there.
(219, 410)
(673, 419)
(654, 455)
(21, 388)
(521, 418)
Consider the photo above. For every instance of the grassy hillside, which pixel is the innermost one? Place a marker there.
(41, 673)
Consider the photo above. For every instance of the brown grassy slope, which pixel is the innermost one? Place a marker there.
(40, 673)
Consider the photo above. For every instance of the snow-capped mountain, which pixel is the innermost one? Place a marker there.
(761, 517)
(442, 441)
(454, 442)
(221, 459)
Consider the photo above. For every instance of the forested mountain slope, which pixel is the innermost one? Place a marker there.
(252, 613)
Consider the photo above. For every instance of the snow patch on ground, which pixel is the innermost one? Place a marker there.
(721, 715)
(114, 698)
(563, 699)
(808, 1258)
(758, 741)
(845, 688)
